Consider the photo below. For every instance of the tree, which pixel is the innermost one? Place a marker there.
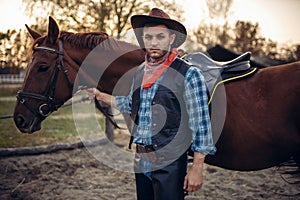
(111, 16)
(209, 35)
(243, 36)
(12, 48)
(215, 30)
(219, 9)
(247, 37)
(297, 52)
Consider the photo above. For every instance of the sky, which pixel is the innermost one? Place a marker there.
(278, 19)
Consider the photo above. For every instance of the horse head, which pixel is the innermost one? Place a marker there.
(48, 81)
(61, 61)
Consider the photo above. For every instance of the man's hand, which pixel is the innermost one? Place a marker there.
(92, 93)
(100, 96)
(194, 179)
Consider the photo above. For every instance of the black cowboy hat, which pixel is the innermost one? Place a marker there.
(156, 15)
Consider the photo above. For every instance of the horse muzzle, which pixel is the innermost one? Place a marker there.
(27, 124)
(28, 117)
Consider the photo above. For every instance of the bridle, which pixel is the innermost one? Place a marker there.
(49, 104)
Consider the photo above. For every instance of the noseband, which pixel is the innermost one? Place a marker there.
(49, 105)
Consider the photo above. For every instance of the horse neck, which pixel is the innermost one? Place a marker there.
(112, 57)
(73, 58)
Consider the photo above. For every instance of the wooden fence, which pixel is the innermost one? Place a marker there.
(11, 79)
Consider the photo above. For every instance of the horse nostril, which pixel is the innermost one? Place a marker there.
(20, 121)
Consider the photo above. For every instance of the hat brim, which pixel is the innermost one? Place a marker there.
(139, 21)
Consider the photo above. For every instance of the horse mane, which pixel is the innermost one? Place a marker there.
(90, 40)
(84, 40)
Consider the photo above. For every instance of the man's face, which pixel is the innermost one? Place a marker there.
(157, 40)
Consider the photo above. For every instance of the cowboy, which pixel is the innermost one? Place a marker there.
(168, 105)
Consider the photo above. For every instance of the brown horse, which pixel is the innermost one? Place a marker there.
(262, 125)
(54, 71)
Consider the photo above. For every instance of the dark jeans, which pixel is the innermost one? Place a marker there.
(166, 183)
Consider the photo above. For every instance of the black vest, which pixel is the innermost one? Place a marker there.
(169, 114)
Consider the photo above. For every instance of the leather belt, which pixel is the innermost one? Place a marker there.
(144, 149)
(149, 153)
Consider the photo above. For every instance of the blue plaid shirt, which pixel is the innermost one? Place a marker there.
(195, 96)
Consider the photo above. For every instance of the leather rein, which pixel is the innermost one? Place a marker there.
(49, 104)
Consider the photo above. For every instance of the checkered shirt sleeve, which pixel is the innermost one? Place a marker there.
(196, 100)
(124, 103)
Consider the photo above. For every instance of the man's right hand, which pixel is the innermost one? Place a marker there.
(92, 93)
(101, 96)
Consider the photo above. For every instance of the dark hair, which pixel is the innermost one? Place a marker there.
(156, 24)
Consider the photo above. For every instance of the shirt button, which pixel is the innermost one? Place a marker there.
(154, 124)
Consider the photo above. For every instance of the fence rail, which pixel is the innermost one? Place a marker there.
(11, 78)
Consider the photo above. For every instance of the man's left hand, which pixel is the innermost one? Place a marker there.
(194, 179)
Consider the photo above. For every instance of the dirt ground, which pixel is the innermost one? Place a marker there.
(77, 175)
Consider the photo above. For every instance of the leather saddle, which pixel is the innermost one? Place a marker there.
(214, 71)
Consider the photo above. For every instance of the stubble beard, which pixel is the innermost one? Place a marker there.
(156, 54)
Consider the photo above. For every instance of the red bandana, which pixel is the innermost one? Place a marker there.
(156, 71)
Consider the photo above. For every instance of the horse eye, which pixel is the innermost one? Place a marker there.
(43, 68)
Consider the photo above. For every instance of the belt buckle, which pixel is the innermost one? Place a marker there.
(147, 151)
(144, 149)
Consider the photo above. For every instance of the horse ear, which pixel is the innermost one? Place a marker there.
(33, 33)
(53, 31)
